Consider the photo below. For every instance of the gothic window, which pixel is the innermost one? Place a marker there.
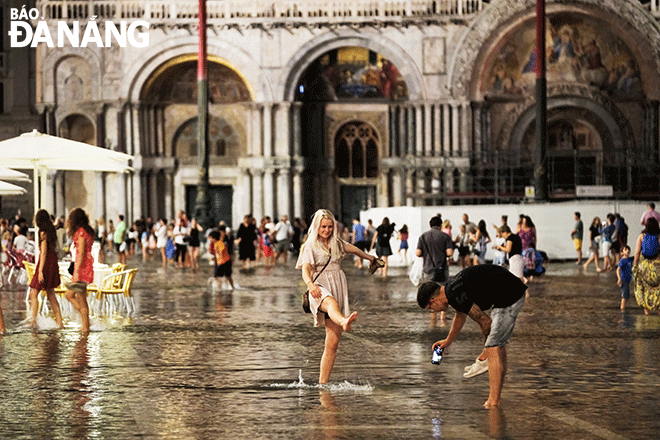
(356, 151)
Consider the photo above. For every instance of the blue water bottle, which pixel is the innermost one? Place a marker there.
(437, 355)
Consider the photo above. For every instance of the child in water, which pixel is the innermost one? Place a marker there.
(624, 275)
(223, 263)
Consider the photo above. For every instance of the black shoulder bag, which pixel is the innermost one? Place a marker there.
(305, 296)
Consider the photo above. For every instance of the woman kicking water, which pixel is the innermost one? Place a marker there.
(329, 292)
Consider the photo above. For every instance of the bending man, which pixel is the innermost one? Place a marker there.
(470, 292)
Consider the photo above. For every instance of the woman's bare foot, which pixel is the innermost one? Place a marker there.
(346, 323)
(491, 404)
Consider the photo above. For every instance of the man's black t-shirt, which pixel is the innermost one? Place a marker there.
(516, 245)
(486, 285)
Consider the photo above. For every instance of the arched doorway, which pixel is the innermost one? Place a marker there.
(356, 167)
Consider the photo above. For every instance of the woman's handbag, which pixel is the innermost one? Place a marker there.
(305, 296)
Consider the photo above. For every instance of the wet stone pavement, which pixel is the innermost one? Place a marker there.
(196, 362)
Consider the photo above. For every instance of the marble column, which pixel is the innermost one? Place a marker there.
(168, 192)
(455, 130)
(282, 134)
(257, 193)
(428, 130)
(296, 126)
(267, 127)
(269, 193)
(136, 190)
(397, 191)
(243, 193)
(466, 134)
(154, 210)
(437, 131)
(60, 208)
(446, 131)
(283, 192)
(297, 193)
(100, 195)
(418, 110)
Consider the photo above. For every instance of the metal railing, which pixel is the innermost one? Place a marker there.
(241, 11)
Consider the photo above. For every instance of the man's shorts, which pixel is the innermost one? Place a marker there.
(281, 246)
(224, 270)
(578, 244)
(362, 245)
(503, 321)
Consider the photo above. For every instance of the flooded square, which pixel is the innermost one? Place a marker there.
(196, 362)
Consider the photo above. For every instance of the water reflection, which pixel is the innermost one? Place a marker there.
(199, 362)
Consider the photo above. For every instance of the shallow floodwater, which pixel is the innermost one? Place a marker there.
(195, 362)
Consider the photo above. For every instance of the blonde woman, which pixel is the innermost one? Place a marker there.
(329, 292)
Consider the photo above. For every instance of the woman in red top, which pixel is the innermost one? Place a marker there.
(83, 263)
(47, 274)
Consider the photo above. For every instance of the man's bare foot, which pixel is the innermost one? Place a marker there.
(491, 404)
(346, 323)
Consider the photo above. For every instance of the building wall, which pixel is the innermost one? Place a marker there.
(434, 146)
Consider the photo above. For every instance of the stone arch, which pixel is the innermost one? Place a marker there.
(223, 138)
(328, 41)
(633, 24)
(55, 59)
(362, 150)
(77, 127)
(604, 113)
(159, 54)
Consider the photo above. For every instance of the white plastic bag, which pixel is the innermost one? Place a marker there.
(417, 271)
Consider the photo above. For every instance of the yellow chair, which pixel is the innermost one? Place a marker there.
(114, 287)
(30, 269)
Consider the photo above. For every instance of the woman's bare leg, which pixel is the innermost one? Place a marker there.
(34, 306)
(329, 305)
(79, 302)
(52, 299)
(332, 335)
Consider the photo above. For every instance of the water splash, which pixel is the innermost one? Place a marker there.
(341, 387)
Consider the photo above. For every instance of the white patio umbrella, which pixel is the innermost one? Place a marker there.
(44, 152)
(8, 189)
(13, 175)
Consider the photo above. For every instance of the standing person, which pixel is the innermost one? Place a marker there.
(47, 273)
(181, 237)
(101, 235)
(577, 234)
(646, 267)
(246, 236)
(504, 219)
(359, 239)
(194, 242)
(119, 240)
(223, 263)
(160, 231)
(513, 249)
(462, 241)
(624, 275)
(110, 236)
(328, 289)
(282, 235)
(371, 230)
(621, 237)
(82, 236)
(608, 237)
(594, 243)
(481, 240)
(403, 245)
(470, 228)
(650, 212)
(500, 256)
(470, 292)
(382, 241)
(299, 228)
(527, 232)
(435, 247)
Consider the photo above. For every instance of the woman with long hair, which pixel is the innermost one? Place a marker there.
(194, 242)
(594, 236)
(382, 241)
(321, 256)
(47, 273)
(646, 267)
(82, 236)
(481, 240)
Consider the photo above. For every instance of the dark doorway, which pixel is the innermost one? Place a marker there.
(220, 197)
(356, 198)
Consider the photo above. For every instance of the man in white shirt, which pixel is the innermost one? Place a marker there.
(283, 238)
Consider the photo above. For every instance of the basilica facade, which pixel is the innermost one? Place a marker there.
(355, 104)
